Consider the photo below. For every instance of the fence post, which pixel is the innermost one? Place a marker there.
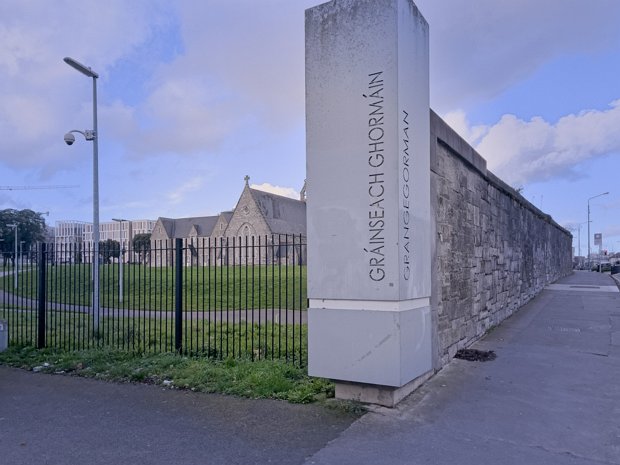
(178, 295)
(42, 287)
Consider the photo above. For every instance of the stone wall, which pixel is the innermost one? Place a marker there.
(494, 250)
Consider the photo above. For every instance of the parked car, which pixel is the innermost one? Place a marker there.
(605, 266)
(594, 267)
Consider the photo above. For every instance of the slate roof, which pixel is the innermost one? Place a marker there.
(181, 227)
(282, 214)
(227, 216)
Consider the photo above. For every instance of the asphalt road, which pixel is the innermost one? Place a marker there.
(54, 419)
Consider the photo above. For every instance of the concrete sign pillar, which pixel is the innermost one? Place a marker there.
(369, 242)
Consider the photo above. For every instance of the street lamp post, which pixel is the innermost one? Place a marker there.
(14, 226)
(579, 239)
(94, 137)
(599, 195)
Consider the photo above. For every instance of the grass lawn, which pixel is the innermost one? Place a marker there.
(141, 335)
(205, 288)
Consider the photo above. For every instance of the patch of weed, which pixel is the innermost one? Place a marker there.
(270, 379)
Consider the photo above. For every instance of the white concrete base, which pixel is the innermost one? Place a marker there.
(387, 396)
(372, 344)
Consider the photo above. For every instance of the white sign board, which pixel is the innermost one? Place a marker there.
(368, 206)
(598, 239)
(368, 151)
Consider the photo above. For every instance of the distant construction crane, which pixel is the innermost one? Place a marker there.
(27, 188)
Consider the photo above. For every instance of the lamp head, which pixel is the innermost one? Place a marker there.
(80, 67)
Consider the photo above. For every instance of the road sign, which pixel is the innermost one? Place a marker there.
(598, 239)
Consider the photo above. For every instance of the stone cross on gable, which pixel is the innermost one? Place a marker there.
(247, 179)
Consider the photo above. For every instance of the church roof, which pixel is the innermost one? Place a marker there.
(227, 215)
(282, 214)
(167, 224)
(181, 227)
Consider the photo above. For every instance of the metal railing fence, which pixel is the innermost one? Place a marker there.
(240, 297)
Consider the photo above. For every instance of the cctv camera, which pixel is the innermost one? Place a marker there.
(69, 138)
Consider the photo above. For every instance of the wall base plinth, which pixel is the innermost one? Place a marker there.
(386, 396)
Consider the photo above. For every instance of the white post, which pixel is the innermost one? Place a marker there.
(588, 261)
(94, 136)
(95, 210)
(368, 168)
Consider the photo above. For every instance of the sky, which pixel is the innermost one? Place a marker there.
(194, 95)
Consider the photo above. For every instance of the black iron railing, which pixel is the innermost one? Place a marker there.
(225, 297)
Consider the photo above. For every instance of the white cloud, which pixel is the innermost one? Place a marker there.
(40, 96)
(479, 49)
(278, 190)
(179, 195)
(457, 120)
(184, 115)
(525, 151)
(242, 63)
(611, 231)
(263, 56)
(119, 121)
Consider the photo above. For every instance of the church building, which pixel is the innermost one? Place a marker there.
(263, 228)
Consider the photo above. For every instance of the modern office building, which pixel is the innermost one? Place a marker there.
(69, 241)
(121, 231)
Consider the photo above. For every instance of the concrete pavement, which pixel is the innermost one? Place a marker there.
(552, 396)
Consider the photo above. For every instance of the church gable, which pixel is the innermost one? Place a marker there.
(247, 218)
(162, 229)
(221, 225)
